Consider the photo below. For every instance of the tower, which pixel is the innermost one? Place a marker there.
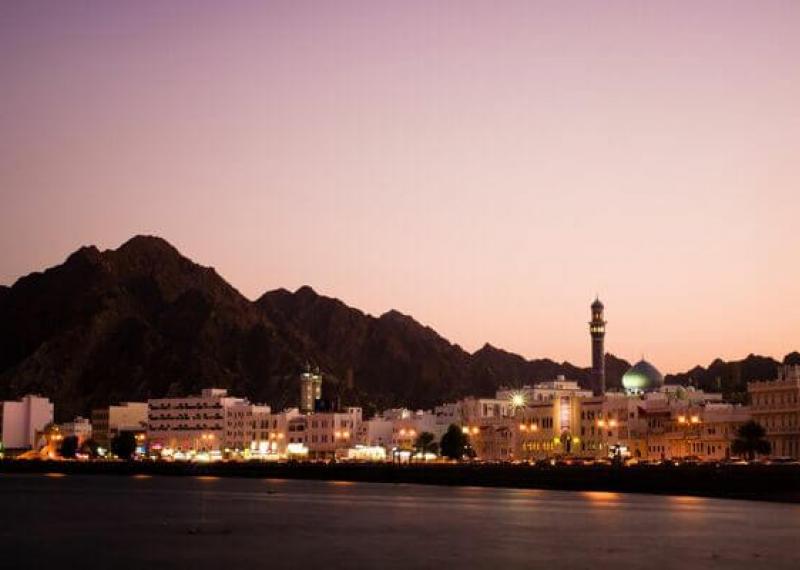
(310, 390)
(597, 330)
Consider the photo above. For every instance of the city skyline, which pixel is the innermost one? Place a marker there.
(484, 170)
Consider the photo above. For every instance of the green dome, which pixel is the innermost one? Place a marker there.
(642, 377)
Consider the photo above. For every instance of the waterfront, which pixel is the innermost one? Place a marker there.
(202, 522)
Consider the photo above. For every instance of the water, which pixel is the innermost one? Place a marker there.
(198, 523)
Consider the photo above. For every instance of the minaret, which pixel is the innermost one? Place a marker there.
(597, 330)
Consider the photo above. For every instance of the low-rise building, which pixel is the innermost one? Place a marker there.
(79, 427)
(326, 432)
(107, 422)
(776, 406)
(23, 421)
(199, 423)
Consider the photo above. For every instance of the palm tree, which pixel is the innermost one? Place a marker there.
(751, 440)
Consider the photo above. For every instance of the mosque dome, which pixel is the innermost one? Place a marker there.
(642, 377)
(597, 305)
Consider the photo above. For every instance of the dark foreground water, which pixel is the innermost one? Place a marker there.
(49, 521)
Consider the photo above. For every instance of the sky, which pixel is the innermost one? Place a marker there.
(487, 167)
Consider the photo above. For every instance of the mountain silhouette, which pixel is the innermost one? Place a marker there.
(144, 321)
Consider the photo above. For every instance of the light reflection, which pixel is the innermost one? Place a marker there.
(686, 500)
(601, 497)
(206, 477)
(141, 476)
(55, 475)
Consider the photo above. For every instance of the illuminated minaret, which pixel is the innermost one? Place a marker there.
(597, 330)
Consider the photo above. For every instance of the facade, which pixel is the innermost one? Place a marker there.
(22, 421)
(109, 421)
(597, 330)
(476, 410)
(560, 420)
(197, 423)
(79, 427)
(776, 406)
(327, 432)
(271, 433)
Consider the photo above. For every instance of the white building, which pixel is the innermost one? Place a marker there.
(209, 422)
(79, 427)
(271, 433)
(328, 431)
(21, 420)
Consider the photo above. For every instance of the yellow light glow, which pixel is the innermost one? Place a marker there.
(613, 423)
(475, 431)
(695, 419)
(681, 419)
(518, 400)
(465, 430)
(523, 427)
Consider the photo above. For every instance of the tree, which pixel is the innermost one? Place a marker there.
(425, 444)
(455, 443)
(69, 447)
(751, 440)
(89, 447)
(123, 445)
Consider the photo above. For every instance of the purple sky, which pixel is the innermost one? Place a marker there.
(484, 166)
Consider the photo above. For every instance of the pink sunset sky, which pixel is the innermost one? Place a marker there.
(486, 167)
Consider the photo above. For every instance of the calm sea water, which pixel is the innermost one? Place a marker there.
(198, 523)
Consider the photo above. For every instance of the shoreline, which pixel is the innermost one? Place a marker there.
(753, 482)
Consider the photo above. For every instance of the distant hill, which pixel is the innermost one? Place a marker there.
(731, 377)
(144, 321)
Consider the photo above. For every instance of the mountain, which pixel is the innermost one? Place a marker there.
(731, 378)
(144, 321)
(394, 360)
(137, 322)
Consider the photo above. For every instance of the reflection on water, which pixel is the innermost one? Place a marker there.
(208, 522)
(605, 497)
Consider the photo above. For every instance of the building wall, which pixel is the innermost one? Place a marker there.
(23, 420)
(197, 423)
(776, 406)
(108, 421)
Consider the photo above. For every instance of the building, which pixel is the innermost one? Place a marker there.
(310, 391)
(209, 422)
(271, 433)
(776, 406)
(476, 410)
(326, 432)
(549, 423)
(597, 331)
(79, 427)
(109, 421)
(243, 431)
(376, 432)
(22, 421)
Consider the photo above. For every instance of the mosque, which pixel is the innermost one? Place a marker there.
(641, 378)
